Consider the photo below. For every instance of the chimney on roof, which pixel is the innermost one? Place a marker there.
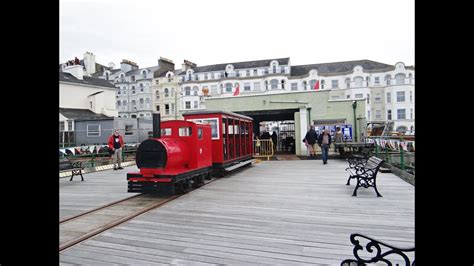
(127, 65)
(89, 62)
(164, 65)
(75, 70)
(187, 65)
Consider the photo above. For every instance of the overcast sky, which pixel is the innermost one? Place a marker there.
(212, 32)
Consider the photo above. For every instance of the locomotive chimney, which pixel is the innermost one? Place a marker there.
(156, 125)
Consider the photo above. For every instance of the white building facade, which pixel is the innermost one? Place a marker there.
(388, 89)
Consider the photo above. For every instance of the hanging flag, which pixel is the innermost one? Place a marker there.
(71, 150)
(91, 149)
(63, 150)
(316, 85)
(237, 90)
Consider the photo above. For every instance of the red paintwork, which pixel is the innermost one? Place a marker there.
(184, 153)
(243, 142)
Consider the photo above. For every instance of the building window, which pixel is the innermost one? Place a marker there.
(196, 106)
(389, 114)
(368, 98)
(312, 83)
(274, 84)
(133, 89)
(334, 83)
(195, 90)
(247, 73)
(256, 86)
(304, 85)
(359, 95)
(387, 79)
(124, 103)
(172, 108)
(358, 82)
(377, 80)
(411, 113)
(377, 98)
(157, 95)
(400, 96)
(274, 69)
(187, 91)
(144, 74)
(246, 86)
(294, 86)
(142, 115)
(368, 115)
(118, 103)
(255, 72)
(348, 83)
(378, 114)
(228, 87)
(187, 105)
(167, 109)
(141, 87)
(128, 130)
(389, 97)
(70, 125)
(157, 108)
(283, 84)
(367, 80)
(93, 130)
(167, 93)
(90, 104)
(401, 114)
(411, 96)
(61, 126)
(214, 89)
(133, 78)
(400, 79)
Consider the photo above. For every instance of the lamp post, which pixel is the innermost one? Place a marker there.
(354, 106)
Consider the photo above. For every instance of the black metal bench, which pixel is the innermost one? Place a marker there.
(66, 165)
(356, 160)
(383, 252)
(365, 173)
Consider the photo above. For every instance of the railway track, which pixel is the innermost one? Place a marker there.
(76, 229)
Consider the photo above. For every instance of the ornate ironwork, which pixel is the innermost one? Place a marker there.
(378, 252)
(365, 173)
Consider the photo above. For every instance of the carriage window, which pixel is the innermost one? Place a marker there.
(231, 129)
(166, 132)
(214, 129)
(185, 131)
(199, 133)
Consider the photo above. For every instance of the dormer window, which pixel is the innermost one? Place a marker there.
(144, 74)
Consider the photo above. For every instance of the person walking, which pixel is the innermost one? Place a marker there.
(324, 141)
(115, 144)
(338, 138)
(310, 139)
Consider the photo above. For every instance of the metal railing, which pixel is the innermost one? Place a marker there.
(263, 148)
(397, 152)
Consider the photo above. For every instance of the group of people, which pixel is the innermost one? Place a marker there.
(323, 140)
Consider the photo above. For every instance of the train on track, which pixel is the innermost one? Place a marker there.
(182, 154)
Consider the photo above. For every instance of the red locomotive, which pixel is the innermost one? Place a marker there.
(182, 154)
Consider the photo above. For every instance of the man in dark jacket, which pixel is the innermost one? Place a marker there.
(310, 140)
(324, 141)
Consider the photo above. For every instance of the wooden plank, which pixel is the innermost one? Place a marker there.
(277, 212)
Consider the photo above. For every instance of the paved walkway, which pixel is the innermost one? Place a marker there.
(276, 212)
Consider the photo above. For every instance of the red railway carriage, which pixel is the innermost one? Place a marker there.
(176, 160)
(232, 142)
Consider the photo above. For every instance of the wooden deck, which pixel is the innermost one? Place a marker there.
(276, 212)
(97, 189)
